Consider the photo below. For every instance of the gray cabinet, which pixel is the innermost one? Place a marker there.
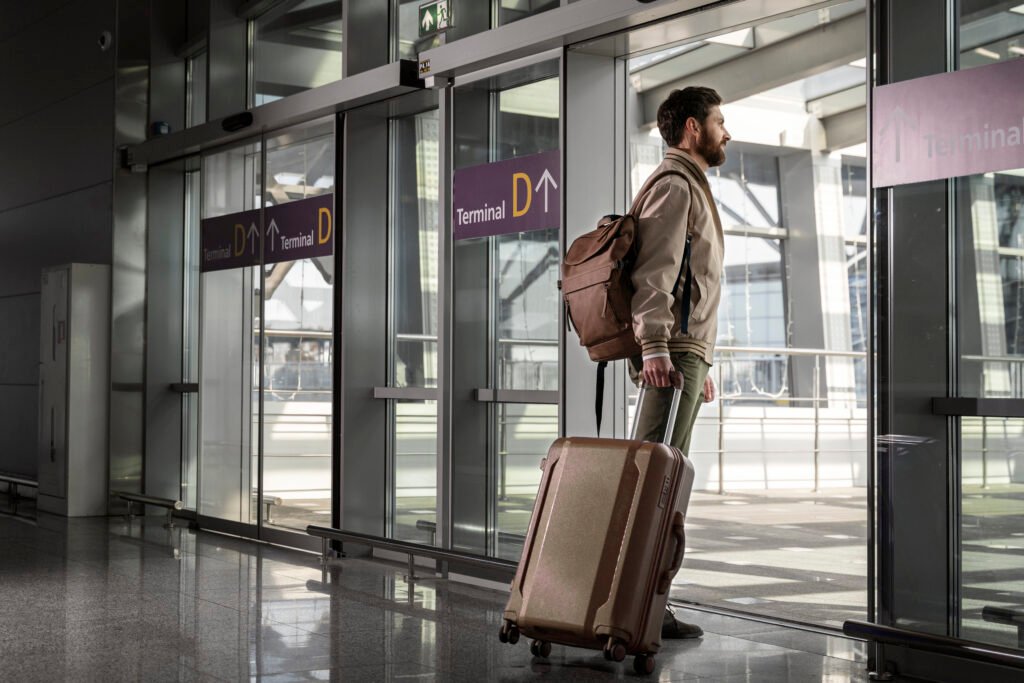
(74, 378)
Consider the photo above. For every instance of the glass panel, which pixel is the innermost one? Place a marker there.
(788, 432)
(525, 431)
(298, 305)
(414, 259)
(190, 340)
(991, 302)
(514, 10)
(525, 272)
(297, 46)
(415, 471)
(414, 227)
(196, 90)
(231, 182)
(990, 31)
(507, 308)
(992, 529)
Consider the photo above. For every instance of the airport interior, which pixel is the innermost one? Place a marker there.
(284, 343)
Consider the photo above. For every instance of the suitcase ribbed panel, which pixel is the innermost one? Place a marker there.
(574, 557)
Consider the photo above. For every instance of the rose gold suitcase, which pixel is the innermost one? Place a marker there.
(605, 539)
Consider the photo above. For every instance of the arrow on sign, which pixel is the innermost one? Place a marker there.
(272, 232)
(428, 20)
(547, 182)
(253, 232)
(898, 119)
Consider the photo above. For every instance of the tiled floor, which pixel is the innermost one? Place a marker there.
(97, 600)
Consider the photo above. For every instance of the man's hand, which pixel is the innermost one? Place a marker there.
(658, 372)
(709, 389)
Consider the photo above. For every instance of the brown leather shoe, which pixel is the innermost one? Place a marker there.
(673, 629)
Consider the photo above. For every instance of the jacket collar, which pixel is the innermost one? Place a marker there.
(688, 161)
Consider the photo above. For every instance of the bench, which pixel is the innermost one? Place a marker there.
(268, 503)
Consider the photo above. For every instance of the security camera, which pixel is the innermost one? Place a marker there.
(105, 41)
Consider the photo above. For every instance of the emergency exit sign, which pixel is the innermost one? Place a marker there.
(435, 17)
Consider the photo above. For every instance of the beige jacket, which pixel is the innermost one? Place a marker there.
(672, 209)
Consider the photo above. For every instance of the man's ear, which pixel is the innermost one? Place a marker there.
(693, 126)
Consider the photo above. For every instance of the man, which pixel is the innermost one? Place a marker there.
(676, 321)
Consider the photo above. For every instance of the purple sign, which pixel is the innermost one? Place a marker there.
(507, 196)
(949, 125)
(292, 231)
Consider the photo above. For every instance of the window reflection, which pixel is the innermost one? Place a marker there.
(296, 46)
(990, 32)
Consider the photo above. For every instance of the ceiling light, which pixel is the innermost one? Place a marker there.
(742, 38)
(1017, 50)
(986, 53)
(860, 63)
(1019, 9)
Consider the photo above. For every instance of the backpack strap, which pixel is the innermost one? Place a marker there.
(650, 184)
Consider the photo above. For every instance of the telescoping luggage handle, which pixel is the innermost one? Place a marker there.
(673, 410)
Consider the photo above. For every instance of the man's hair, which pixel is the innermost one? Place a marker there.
(680, 105)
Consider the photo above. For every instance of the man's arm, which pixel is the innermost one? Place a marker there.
(661, 235)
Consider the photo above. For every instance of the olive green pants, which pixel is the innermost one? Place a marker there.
(654, 411)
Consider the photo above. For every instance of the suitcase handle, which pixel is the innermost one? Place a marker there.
(679, 534)
(673, 410)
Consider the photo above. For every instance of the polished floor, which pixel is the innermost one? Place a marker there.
(102, 600)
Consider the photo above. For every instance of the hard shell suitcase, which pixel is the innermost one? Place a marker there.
(605, 539)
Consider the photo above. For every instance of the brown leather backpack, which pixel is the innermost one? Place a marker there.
(597, 288)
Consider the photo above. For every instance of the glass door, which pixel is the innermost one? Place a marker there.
(778, 521)
(229, 313)
(506, 303)
(266, 257)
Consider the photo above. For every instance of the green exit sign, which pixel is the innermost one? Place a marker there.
(435, 17)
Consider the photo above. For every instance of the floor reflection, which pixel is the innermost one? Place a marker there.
(104, 600)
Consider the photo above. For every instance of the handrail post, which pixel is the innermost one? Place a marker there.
(721, 434)
(984, 452)
(817, 431)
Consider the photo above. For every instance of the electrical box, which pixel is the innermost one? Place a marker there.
(74, 382)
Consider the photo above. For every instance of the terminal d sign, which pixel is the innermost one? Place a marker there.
(292, 231)
(518, 195)
(949, 125)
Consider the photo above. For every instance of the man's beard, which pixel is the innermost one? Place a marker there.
(712, 153)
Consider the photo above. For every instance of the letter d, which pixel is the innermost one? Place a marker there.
(239, 239)
(516, 177)
(324, 224)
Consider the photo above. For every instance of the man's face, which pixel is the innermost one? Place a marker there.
(712, 138)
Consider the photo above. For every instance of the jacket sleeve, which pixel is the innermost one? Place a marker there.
(661, 231)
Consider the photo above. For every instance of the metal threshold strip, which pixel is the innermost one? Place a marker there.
(942, 645)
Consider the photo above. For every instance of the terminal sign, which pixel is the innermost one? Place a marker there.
(518, 195)
(292, 231)
(949, 125)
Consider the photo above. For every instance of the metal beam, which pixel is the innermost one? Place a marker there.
(383, 83)
(807, 54)
(846, 129)
(556, 28)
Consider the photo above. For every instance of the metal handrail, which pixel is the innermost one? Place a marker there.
(944, 645)
(413, 550)
(790, 351)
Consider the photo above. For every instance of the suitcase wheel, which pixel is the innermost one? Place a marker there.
(540, 648)
(614, 650)
(643, 664)
(509, 633)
